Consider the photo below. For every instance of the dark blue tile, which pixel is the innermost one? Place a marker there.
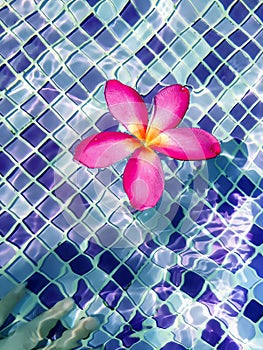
(212, 61)
(6, 222)
(254, 311)
(238, 12)
(50, 149)
(48, 92)
(50, 178)
(225, 75)
(79, 205)
(127, 337)
(224, 185)
(173, 346)
(34, 47)
(91, 24)
(212, 37)
(34, 222)
(113, 344)
(66, 251)
(164, 318)
(145, 55)
(83, 294)
(249, 122)
(259, 12)
(207, 123)
(19, 62)
(208, 298)
(228, 344)
(34, 165)
(56, 332)
(108, 262)
(111, 294)
(249, 99)
(123, 276)
(257, 110)
(6, 77)
(9, 320)
(35, 251)
(176, 242)
(50, 35)
(49, 121)
(77, 94)
(37, 282)
(226, 209)
(49, 208)
(176, 214)
(238, 297)
(156, 45)
(246, 185)
(130, 14)
(167, 34)
(226, 3)
(224, 49)
(255, 235)
(136, 261)
(77, 37)
(33, 106)
(19, 236)
(193, 283)
(238, 37)
(106, 40)
(163, 290)
(201, 72)
(176, 273)
(212, 333)
(34, 135)
(51, 295)
(137, 321)
(92, 79)
(18, 179)
(257, 264)
(8, 17)
(93, 249)
(6, 164)
(81, 265)
(238, 111)
(252, 49)
(92, 2)
(36, 20)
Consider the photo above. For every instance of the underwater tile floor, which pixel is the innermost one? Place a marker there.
(186, 274)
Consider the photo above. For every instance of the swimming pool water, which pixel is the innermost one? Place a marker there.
(186, 274)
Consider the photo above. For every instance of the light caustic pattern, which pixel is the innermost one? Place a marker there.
(185, 274)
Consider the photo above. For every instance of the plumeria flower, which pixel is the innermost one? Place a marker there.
(143, 178)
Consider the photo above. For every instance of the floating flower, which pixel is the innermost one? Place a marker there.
(143, 178)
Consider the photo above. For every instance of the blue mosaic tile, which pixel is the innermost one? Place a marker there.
(49, 178)
(106, 40)
(36, 20)
(51, 295)
(108, 262)
(77, 94)
(48, 92)
(91, 24)
(130, 14)
(254, 311)
(9, 46)
(111, 294)
(34, 47)
(212, 333)
(8, 17)
(228, 343)
(164, 318)
(19, 62)
(173, 346)
(33, 106)
(123, 276)
(37, 282)
(81, 265)
(6, 164)
(145, 55)
(83, 294)
(6, 77)
(127, 337)
(50, 34)
(92, 79)
(193, 283)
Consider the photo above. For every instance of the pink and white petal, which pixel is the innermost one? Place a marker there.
(105, 148)
(143, 179)
(127, 106)
(170, 106)
(187, 144)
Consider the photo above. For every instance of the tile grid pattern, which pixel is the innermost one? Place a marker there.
(186, 274)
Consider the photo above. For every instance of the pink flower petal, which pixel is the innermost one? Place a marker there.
(187, 144)
(105, 148)
(143, 179)
(170, 105)
(127, 106)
